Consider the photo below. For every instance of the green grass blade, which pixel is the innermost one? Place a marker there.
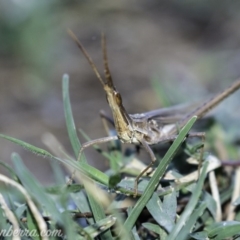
(73, 230)
(34, 188)
(101, 226)
(83, 167)
(223, 230)
(96, 208)
(57, 189)
(211, 203)
(32, 226)
(87, 170)
(10, 170)
(28, 146)
(129, 223)
(39, 195)
(76, 145)
(93, 173)
(99, 214)
(58, 174)
(135, 234)
(190, 206)
(186, 230)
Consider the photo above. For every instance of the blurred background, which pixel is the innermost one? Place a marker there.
(192, 49)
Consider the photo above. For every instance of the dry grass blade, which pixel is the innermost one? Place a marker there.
(11, 217)
(39, 219)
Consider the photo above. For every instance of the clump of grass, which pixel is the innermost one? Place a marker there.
(191, 205)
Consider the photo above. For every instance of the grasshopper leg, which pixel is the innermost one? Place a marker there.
(153, 159)
(200, 135)
(89, 144)
(96, 141)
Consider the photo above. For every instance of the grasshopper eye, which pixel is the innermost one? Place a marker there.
(118, 98)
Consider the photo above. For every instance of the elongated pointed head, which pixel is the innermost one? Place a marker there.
(121, 118)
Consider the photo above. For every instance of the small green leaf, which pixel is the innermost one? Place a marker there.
(20, 210)
(170, 205)
(211, 204)
(155, 228)
(159, 213)
(114, 180)
(222, 230)
(200, 235)
(101, 226)
(58, 189)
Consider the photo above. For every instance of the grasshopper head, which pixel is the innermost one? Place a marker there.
(121, 119)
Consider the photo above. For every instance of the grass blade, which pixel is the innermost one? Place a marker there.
(101, 226)
(190, 206)
(82, 167)
(34, 188)
(184, 233)
(76, 145)
(28, 146)
(96, 208)
(222, 230)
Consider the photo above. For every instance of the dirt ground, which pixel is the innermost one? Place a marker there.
(191, 49)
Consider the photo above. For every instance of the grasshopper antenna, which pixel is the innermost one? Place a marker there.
(90, 61)
(105, 60)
